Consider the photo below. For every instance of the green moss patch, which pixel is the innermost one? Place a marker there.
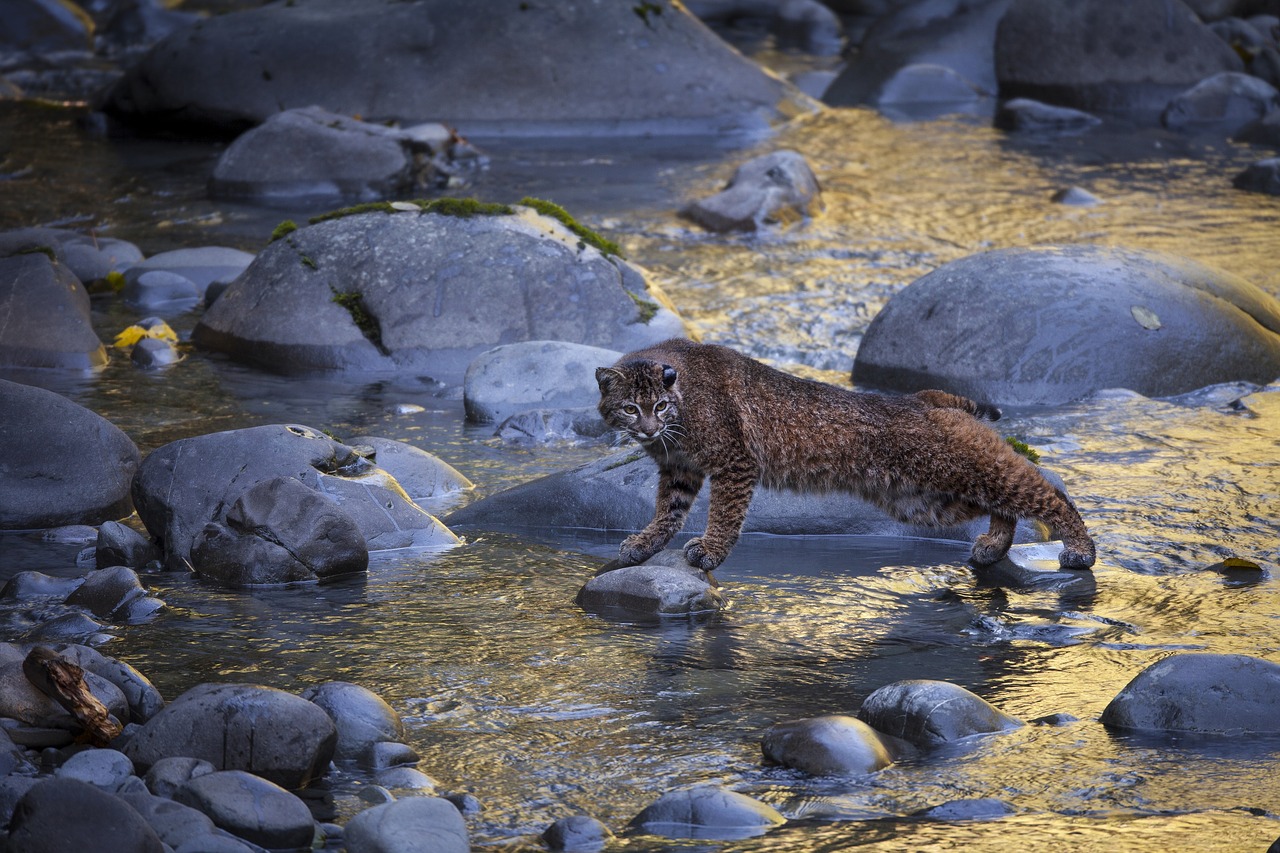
(461, 207)
(555, 211)
(284, 229)
(39, 250)
(1023, 449)
(647, 309)
(368, 324)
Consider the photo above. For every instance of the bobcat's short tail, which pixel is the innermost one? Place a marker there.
(944, 400)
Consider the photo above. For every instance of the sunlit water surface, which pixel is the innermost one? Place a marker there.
(512, 692)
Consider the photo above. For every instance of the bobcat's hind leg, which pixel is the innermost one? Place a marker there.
(992, 546)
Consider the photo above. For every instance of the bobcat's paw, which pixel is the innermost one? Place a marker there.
(1079, 559)
(696, 555)
(635, 550)
(988, 550)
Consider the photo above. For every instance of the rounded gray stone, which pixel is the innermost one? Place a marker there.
(1204, 693)
(408, 825)
(776, 188)
(361, 716)
(665, 585)
(929, 713)
(829, 745)
(102, 768)
(1048, 325)
(709, 812)
(577, 833)
(62, 463)
(251, 808)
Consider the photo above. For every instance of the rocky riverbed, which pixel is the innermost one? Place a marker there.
(433, 660)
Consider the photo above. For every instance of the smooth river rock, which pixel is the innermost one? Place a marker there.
(62, 464)
(1046, 325)
(532, 68)
(930, 713)
(709, 812)
(834, 744)
(514, 378)
(664, 585)
(427, 291)
(409, 825)
(59, 815)
(44, 316)
(1202, 693)
(773, 189)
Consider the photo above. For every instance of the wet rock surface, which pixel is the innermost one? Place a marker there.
(777, 188)
(830, 745)
(929, 713)
(706, 812)
(46, 311)
(63, 464)
(1200, 693)
(664, 585)
(1049, 325)
(511, 379)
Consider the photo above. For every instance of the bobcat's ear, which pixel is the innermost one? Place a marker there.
(668, 376)
(606, 376)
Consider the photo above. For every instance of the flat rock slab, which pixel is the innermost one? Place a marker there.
(611, 68)
(665, 585)
(409, 290)
(1046, 325)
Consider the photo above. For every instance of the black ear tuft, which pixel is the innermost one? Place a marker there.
(668, 376)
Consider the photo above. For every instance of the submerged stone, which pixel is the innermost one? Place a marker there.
(708, 812)
(830, 745)
(930, 713)
(777, 188)
(665, 585)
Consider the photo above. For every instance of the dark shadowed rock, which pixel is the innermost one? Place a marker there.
(618, 68)
(805, 25)
(361, 716)
(60, 815)
(201, 265)
(931, 713)
(121, 545)
(280, 531)
(665, 585)
(1100, 55)
(28, 585)
(1204, 693)
(952, 34)
(412, 290)
(46, 316)
(1031, 116)
(310, 151)
(161, 291)
(115, 594)
(1265, 131)
(825, 746)
(105, 769)
(709, 812)
(533, 375)
(1260, 177)
(173, 822)
(62, 464)
(544, 426)
(1226, 103)
(143, 699)
(410, 825)
(1050, 324)
(251, 808)
(777, 188)
(169, 774)
(184, 485)
(43, 26)
(273, 734)
(983, 808)
(618, 492)
(577, 833)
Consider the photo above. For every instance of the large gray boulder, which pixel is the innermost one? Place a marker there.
(1102, 55)
(618, 492)
(44, 315)
(361, 716)
(276, 735)
(187, 484)
(1204, 693)
(62, 464)
(428, 290)
(527, 67)
(1046, 325)
(251, 808)
(67, 814)
(410, 825)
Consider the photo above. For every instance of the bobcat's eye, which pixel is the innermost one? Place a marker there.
(631, 409)
(661, 406)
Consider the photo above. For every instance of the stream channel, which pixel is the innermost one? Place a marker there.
(513, 693)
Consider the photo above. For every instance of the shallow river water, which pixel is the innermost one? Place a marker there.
(512, 692)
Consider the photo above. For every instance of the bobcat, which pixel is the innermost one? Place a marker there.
(701, 410)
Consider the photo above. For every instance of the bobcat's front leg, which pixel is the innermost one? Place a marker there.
(677, 487)
(730, 496)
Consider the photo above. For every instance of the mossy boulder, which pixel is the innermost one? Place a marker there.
(404, 287)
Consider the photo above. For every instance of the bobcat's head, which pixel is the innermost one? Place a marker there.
(641, 397)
